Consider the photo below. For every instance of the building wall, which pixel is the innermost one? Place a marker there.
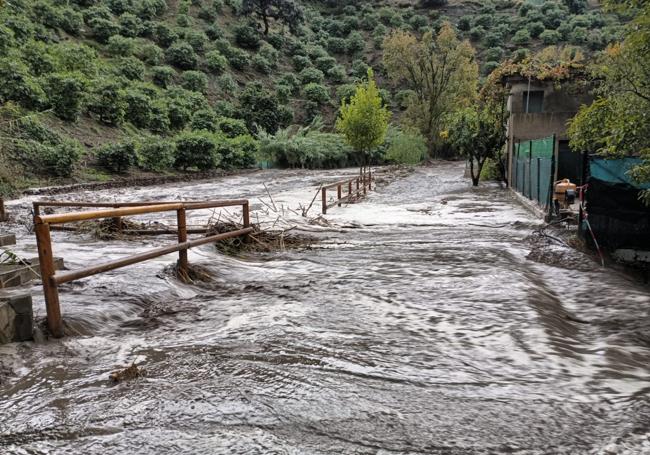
(562, 100)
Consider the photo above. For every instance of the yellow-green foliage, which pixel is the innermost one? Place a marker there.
(364, 121)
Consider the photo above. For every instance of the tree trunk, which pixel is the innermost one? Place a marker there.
(266, 24)
(476, 177)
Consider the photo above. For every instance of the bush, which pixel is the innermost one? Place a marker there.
(536, 28)
(317, 93)
(309, 75)
(369, 21)
(521, 37)
(578, 36)
(224, 108)
(490, 66)
(260, 109)
(165, 36)
(550, 37)
(138, 108)
(65, 94)
(117, 157)
(71, 21)
(325, 63)
(181, 55)
(121, 46)
(360, 69)
(355, 43)
(276, 40)
(247, 36)
(131, 68)
(406, 147)
(151, 54)
(205, 119)
(196, 149)
(159, 122)
(239, 152)
(215, 62)
(18, 85)
(300, 62)
(337, 74)
(337, 45)
(465, 23)
(107, 101)
(227, 84)
(183, 20)
(195, 81)
(155, 154)
(476, 33)
(418, 21)
(103, 29)
(345, 92)
(214, 32)
(403, 98)
(130, 25)
(162, 75)
(238, 59)
(197, 40)
(261, 64)
(231, 127)
(493, 54)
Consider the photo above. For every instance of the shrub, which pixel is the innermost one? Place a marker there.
(162, 75)
(337, 45)
(205, 119)
(578, 36)
(490, 66)
(418, 21)
(476, 33)
(214, 32)
(536, 28)
(231, 127)
(337, 74)
(35, 54)
(181, 55)
(403, 98)
(309, 75)
(121, 46)
(550, 37)
(196, 149)
(270, 54)
(71, 21)
(290, 80)
(59, 159)
(131, 68)
(107, 101)
(317, 93)
(521, 37)
(406, 147)
(276, 40)
(260, 108)
(197, 40)
(183, 20)
(325, 63)
(151, 54)
(284, 93)
(155, 154)
(238, 59)
(520, 55)
(75, 57)
(360, 69)
(465, 23)
(65, 94)
(159, 122)
(261, 64)
(138, 108)
(96, 12)
(238, 152)
(300, 62)
(493, 54)
(355, 43)
(345, 92)
(118, 157)
(165, 36)
(227, 84)
(117, 6)
(195, 81)
(17, 84)
(215, 62)
(224, 108)
(247, 36)
(103, 29)
(130, 25)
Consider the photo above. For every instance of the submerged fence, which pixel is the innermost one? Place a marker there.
(52, 279)
(533, 167)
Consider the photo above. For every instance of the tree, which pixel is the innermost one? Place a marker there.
(617, 122)
(441, 71)
(287, 11)
(478, 134)
(363, 121)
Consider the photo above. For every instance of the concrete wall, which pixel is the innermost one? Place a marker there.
(556, 99)
(16, 317)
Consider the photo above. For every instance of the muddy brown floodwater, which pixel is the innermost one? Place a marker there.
(415, 326)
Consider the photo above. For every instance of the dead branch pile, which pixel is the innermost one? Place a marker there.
(259, 241)
(109, 228)
(125, 374)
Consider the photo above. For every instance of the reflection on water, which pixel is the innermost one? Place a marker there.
(418, 327)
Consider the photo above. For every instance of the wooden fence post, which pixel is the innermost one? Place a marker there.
(3, 213)
(338, 193)
(246, 217)
(50, 289)
(324, 201)
(369, 179)
(349, 190)
(181, 221)
(358, 193)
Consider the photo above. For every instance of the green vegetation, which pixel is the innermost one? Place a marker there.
(123, 83)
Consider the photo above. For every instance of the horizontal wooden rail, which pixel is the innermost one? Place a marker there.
(51, 280)
(362, 182)
(66, 277)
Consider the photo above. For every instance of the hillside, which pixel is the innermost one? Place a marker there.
(80, 74)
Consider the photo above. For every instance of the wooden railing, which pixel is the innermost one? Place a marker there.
(52, 280)
(362, 184)
(3, 213)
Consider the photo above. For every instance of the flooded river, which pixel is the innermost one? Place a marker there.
(416, 325)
